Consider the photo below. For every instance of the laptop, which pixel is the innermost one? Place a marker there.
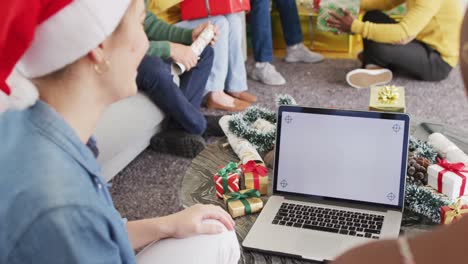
(339, 182)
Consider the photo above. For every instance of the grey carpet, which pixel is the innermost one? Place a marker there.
(149, 186)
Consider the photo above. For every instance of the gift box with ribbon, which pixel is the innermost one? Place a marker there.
(388, 98)
(242, 203)
(227, 179)
(452, 213)
(193, 9)
(256, 176)
(448, 178)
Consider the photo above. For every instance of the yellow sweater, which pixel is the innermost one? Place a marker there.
(434, 22)
(167, 10)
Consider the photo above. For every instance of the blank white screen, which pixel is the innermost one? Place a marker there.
(342, 157)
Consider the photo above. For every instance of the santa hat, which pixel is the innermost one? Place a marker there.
(39, 37)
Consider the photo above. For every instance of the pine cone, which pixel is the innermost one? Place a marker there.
(423, 162)
(417, 170)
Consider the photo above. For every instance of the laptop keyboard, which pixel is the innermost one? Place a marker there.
(329, 220)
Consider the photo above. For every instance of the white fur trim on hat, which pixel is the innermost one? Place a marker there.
(23, 94)
(71, 34)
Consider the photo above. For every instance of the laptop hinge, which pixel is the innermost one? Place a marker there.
(338, 203)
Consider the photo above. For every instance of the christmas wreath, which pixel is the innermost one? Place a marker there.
(258, 125)
(420, 198)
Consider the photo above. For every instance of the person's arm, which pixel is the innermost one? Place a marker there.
(444, 245)
(162, 34)
(186, 223)
(367, 5)
(72, 234)
(405, 31)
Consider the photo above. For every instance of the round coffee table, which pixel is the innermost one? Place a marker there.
(198, 187)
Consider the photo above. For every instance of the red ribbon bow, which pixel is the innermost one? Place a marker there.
(256, 170)
(456, 168)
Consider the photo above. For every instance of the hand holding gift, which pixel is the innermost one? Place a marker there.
(342, 23)
(244, 202)
(256, 176)
(184, 60)
(227, 179)
(453, 213)
(337, 15)
(198, 30)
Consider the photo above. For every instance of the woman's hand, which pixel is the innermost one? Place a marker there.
(198, 30)
(186, 223)
(184, 55)
(341, 23)
(190, 222)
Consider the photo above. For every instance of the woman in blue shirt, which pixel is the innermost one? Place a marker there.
(82, 56)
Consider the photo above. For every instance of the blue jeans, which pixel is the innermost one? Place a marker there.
(260, 26)
(181, 104)
(228, 71)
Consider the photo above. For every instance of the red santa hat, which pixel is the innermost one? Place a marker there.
(38, 37)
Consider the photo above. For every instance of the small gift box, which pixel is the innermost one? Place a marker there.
(448, 178)
(227, 179)
(193, 9)
(452, 213)
(326, 6)
(387, 99)
(242, 203)
(256, 176)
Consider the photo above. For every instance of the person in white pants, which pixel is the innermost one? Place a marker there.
(203, 249)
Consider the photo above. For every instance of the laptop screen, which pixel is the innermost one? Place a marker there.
(356, 156)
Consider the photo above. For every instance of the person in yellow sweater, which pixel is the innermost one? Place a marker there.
(424, 44)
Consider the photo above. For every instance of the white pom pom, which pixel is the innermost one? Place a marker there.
(23, 92)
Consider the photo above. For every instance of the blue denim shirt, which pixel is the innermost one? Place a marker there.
(54, 205)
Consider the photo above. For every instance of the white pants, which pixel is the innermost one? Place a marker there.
(204, 249)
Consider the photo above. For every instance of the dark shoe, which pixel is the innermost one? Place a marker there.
(178, 142)
(212, 127)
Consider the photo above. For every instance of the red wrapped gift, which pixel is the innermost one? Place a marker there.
(227, 180)
(452, 213)
(256, 176)
(316, 4)
(193, 9)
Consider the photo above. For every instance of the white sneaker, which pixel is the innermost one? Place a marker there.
(364, 78)
(300, 53)
(266, 73)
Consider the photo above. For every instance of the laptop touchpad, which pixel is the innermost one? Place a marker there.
(319, 246)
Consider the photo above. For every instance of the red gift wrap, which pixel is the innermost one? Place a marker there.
(227, 185)
(452, 213)
(194, 9)
(256, 176)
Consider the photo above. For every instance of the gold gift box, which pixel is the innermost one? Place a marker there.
(398, 105)
(236, 208)
(263, 180)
